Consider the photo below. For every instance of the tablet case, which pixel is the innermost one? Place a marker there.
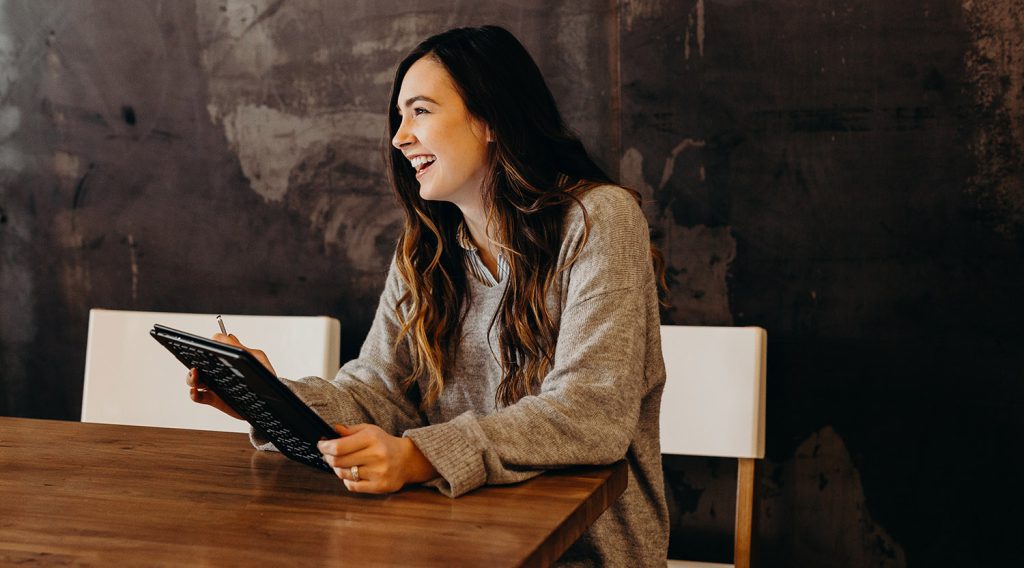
(254, 392)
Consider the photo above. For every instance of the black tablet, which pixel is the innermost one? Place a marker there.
(254, 392)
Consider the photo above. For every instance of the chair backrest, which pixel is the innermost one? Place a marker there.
(714, 405)
(714, 398)
(131, 379)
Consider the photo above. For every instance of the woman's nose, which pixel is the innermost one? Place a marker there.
(402, 137)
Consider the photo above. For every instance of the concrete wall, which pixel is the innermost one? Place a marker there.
(848, 175)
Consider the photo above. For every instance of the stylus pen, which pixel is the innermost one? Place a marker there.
(223, 329)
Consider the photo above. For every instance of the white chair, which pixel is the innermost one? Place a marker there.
(714, 405)
(131, 379)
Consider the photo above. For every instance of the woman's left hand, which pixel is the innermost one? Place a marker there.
(384, 463)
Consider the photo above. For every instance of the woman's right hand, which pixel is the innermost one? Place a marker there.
(200, 393)
(198, 390)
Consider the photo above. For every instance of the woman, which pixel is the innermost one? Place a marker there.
(518, 327)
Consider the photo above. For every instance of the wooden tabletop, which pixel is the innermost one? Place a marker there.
(96, 494)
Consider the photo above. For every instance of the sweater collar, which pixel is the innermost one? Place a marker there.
(463, 238)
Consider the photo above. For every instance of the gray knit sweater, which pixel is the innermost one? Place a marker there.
(598, 404)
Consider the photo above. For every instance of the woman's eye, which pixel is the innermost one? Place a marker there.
(419, 110)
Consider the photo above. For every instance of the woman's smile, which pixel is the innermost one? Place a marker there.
(421, 163)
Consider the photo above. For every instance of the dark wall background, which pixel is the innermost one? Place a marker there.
(849, 176)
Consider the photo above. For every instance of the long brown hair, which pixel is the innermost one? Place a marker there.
(537, 170)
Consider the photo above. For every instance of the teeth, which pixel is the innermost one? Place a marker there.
(419, 161)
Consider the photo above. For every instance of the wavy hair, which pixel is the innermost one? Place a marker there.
(537, 168)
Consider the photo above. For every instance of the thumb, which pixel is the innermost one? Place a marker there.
(229, 339)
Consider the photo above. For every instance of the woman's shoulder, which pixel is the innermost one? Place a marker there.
(608, 195)
(606, 241)
(605, 204)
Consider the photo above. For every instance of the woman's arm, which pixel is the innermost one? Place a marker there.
(367, 389)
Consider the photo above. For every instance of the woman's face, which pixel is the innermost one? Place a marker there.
(443, 142)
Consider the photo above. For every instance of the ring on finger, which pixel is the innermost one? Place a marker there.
(354, 472)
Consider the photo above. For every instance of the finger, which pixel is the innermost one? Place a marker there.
(345, 473)
(345, 445)
(369, 487)
(360, 458)
(359, 486)
(192, 379)
(200, 396)
(324, 443)
(230, 339)
(204, 395)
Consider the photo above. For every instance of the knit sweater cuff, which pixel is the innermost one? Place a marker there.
(259, 441)
(447, 447)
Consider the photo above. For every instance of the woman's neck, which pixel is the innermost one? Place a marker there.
(476, 222)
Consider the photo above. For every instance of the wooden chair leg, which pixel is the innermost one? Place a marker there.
(745, 514)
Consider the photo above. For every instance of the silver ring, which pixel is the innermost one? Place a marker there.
(354, 470)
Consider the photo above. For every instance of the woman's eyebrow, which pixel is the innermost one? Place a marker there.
(411, 100)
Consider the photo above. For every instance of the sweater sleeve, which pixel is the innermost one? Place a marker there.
(588, 406)
(368, 388)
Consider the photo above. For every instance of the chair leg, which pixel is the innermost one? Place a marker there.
(745, 515)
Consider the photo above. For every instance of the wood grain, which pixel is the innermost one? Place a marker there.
(95, 494)
(744, 512)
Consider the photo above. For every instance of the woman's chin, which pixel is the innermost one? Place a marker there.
(428, 193)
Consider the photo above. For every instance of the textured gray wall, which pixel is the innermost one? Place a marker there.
(849, 176)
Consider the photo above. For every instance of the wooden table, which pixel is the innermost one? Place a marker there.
(95, 494)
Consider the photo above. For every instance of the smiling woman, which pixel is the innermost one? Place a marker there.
(518, 330)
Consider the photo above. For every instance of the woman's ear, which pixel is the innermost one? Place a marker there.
(482, 130)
